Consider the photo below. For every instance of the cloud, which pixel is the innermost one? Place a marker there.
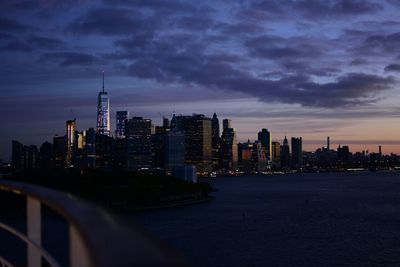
(309, 9)
(392, 67)
(275, 47)
(16, 46)
(239, 28)
(195, 23)
(335, 8)
(45, 42)
(158, 5)
(381, 43)
(67, 59)
(108, 21)
(10, 25)
(191, 66)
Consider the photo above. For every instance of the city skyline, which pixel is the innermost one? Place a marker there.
(309, 69)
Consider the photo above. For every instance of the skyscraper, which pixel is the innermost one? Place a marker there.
(103, 113)
(229, 149)
(138, 132)
(328, 144)
(174, 149)
(198, 147)
(258, 157)
(285, 154)
(215, 142)
(226, 123)
(17, 161)
(265, 138)
(297, 152)
(46, 155)
(71, 142)
(90, 148)
(245, 157)
(276, 154)
(59, 146)
(215, 129)
(122, 118)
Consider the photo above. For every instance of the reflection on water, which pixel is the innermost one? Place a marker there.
(340, 219)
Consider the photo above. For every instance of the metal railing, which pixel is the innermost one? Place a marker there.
(95, 237)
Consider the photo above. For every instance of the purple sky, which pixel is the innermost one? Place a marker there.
(305, 68)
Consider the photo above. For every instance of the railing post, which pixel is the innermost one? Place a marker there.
(34, 229)
(78, 253)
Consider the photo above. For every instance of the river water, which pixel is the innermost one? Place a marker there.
(337, 219)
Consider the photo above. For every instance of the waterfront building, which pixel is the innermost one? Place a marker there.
(229, 150)
(343, 155)
(276, 154)
(198, 147)
(285, 154)
(174, 149)
(158, 143)
(215, 142)
(297, 152)
(139, 146)
(245, 157)
(259, 158)
(185, 172)
(265, 138)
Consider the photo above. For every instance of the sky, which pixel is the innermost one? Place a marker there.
(310, 68)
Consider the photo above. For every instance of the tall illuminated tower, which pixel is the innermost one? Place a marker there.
(71, 141)
(103, 112)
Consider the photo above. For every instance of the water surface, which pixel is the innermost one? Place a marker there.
(339, 219)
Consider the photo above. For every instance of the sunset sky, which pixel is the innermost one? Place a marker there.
(304, 68)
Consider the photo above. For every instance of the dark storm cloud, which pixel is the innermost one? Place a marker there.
(392, 67)
(195, 23)
(16, 46)
(176, 41)
(108, 21)
(380, 43)
(347, 90)
(45, 42)
(192, 66)
(239, 28)
(159, 5)
(274, 47)
(10, 25)
(33, 5)
(358, 62)
(66, 59)
(309, 9)
(137, 41)
(32, 43)
(335, 8)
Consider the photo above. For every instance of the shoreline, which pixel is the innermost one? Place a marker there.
(162, 206)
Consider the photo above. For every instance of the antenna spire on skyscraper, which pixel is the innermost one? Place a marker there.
(103, 81)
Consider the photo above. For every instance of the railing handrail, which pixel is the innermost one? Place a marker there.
(28, 241)
(109, 242)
